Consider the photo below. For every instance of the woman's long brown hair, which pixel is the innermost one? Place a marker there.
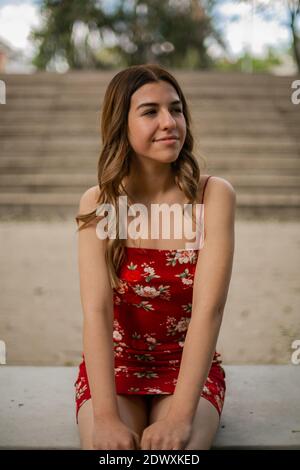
(116, 153)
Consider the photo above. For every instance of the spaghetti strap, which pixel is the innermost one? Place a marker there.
(204, 188)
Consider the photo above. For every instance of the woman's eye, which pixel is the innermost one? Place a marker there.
(178, 110)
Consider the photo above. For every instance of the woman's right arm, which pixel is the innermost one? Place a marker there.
(109, 432)
(97, 304)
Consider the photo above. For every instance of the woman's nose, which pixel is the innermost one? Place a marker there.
(166, 119)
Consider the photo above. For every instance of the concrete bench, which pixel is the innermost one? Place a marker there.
(261, 411)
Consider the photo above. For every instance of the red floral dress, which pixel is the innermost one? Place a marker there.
(152, 311)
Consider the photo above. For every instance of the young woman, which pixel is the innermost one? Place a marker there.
(150, 377)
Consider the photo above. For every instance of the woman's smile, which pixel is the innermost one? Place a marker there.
(167, 141)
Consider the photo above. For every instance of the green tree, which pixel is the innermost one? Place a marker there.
(56, 39)
(292, 9)
(174, 33)
(259, 65)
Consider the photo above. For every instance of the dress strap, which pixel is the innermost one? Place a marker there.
(204, 188)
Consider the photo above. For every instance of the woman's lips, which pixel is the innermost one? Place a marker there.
(167, 141)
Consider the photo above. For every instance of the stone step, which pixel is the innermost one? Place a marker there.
(20, 117)
(53, 139)
(66, 195)
(82, 146)
(239, 128)
(199, 79)
(266, 91)
(226, 163)
(255, 165)
(64, 206)
(225, 158)
(191, 76)
(92, 153)
(63, 127)
(258, 180)
(94, 103)
(242, 131)
(261, 408)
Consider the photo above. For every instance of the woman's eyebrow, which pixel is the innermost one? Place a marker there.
(156, 104)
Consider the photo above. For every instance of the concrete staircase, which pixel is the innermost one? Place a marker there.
(245, 126)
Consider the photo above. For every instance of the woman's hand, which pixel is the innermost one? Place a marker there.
(170, 433)
(112, 434)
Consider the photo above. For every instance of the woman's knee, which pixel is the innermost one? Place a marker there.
(133, 410)
(205, 425)
(85, 425)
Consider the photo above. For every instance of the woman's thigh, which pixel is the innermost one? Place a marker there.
(133, 411)
(205, 424)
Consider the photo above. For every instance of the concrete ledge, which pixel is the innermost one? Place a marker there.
(262, 408)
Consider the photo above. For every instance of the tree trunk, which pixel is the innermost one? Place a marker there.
(296, 39)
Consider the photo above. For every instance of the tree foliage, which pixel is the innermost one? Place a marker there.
(291, 20)
(83, 34)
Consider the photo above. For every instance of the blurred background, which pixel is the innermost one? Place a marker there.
(238, 63)
(232, 35)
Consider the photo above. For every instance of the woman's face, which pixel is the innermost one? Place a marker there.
(147, 124)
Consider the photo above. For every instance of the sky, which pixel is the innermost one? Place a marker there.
(253, 33)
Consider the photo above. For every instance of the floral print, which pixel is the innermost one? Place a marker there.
(152, 312)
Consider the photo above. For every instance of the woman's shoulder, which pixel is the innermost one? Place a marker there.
(89, 199)
(215, 184)
(219, 201)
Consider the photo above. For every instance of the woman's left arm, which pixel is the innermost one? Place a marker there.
(211, 284)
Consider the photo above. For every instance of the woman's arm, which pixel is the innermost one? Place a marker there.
(211, 284)
(97, 304)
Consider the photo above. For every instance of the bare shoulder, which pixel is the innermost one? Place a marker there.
(95, 287)
(219, 204)
(88, 200)
(218, 186)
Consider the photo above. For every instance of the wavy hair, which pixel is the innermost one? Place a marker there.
(116, 153)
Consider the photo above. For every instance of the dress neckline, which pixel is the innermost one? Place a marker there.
(160, 249)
